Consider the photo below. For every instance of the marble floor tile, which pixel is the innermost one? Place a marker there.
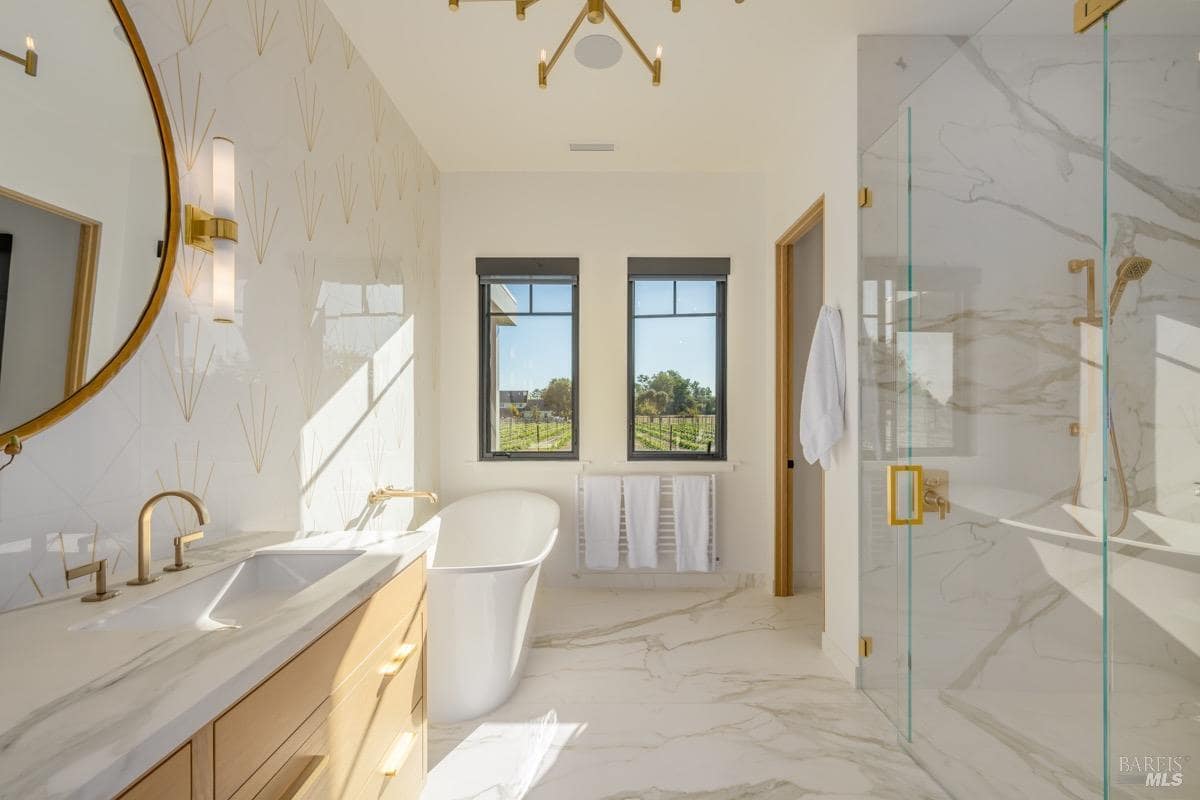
(674, 695)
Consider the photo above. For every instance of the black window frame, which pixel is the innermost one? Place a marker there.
(679, 270)
(531, 271)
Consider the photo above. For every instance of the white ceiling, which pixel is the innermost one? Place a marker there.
(467, 81)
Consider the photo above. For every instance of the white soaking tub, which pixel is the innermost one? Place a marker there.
(483, 574)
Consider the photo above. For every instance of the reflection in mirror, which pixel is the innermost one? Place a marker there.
(83, 204)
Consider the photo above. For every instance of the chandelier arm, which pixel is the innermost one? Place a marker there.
(629, 37)
(567, 39)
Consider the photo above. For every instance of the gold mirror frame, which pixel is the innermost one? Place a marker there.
(106, 373)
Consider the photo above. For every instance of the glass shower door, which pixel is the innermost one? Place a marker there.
(883, 548)
(1153, 358)
(1000, 367)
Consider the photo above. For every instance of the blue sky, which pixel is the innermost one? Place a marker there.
(538, 349)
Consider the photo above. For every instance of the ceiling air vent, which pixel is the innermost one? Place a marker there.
(592, 147)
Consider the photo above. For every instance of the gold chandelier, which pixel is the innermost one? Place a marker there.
(595, 12)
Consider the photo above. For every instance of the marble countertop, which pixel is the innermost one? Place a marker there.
(84, 713)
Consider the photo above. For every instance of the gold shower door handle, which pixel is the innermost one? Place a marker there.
(916, 489)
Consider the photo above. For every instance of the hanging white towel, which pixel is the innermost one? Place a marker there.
(693, 521)
(823, 404)
(641, 519)
(601, 521)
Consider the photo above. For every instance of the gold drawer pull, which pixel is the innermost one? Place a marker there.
(399, 754)
(306, 779)
(394, 666)
(915, 491)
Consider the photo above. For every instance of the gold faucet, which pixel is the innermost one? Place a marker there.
(143, 576)
(388, 492)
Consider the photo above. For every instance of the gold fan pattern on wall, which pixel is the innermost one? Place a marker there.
(257, 427)
(378, 176)
(309, 285)
(191, 15)
(375, 245)
(308, 461)
(400, 166)
(186, 375)
(312, 113)
(260, 27)
(308, 380)
(377, 105)
(347, 188)
(349, 51)
(188, 133)
(307, 12)
(261, 229)
(311, 199)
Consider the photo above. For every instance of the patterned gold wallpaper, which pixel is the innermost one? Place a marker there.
(325, 386)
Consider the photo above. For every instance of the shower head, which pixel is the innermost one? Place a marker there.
(1133, 268)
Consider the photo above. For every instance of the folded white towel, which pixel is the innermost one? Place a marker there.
(601, 521)
(823, 404)
(641, 520)
(693, 520)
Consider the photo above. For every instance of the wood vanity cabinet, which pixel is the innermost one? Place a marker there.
(343, 719)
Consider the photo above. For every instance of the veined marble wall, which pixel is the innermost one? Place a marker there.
(1007, 594)
(326, 386)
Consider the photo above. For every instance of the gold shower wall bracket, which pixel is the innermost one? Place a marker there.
(1089, 12)
(200, 228)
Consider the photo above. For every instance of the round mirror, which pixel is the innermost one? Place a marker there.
(88, 204)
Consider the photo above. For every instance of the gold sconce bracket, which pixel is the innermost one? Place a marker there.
(200, 228)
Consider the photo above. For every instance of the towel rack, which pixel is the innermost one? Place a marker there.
(666, 529)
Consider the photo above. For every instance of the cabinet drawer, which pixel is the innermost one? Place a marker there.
(353, 747)
(246, 736)
(401, 775)
(170, 780)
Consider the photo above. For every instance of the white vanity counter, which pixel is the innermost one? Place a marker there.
(85, 711)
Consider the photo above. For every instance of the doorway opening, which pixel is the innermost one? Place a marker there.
(800, 280)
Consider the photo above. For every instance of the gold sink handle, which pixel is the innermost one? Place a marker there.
(180, 542)
(100, 568)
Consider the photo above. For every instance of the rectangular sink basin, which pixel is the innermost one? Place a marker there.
(228, 598)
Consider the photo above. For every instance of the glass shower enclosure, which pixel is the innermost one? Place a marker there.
(1029, 347)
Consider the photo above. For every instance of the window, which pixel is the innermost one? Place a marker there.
(677, 358)
(529, 358)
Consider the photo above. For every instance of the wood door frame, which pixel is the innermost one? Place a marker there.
(87, 259)
(784, 424)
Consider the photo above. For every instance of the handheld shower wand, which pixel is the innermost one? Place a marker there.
(1131, 269)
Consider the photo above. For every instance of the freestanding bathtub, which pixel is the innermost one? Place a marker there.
(483, 573)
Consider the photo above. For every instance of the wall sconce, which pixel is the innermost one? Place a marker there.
(29, 62)
(217, 233)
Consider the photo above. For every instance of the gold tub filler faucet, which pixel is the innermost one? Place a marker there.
(388, 492)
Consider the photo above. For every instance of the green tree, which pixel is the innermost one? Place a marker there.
(557, 397)
(669, 393)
